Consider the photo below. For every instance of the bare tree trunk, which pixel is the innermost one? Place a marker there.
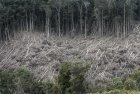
(27, 28)
(31, 22)
(86, 24)
(68, 21)
(99, 27)
(124, 30)
(81, 21)
(72, 24)
(23, 25)
(59, 26)
(117, 29)
(102, 24)
(6, 37)
(1, 36)
(48, 27)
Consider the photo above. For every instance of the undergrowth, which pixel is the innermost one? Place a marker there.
(70, 80)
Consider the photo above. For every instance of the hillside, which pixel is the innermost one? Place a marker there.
(108, 57)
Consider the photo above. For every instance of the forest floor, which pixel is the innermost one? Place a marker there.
(108, 57)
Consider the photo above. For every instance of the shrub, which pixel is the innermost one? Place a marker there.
(22, 81)
(136, 76)
(64, 77)
(116, 83)
(49, 86)
(42, 88)
(71, 78)
(70, 81)
(130, 84)
(116, 91)
(7, 80)
(100, 87)
(78, 78)
(25, 80)
(30, 85)
(56, 89)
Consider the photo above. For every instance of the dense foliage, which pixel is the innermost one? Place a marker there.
(129, 85)
(71, 80)
(102, 17)
(21, 81)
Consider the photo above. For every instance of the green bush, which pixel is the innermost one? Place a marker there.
(116, 91)
(136, 76)
(21, 81)
(78, 78)
(100, 87)
(116, 83)
(30, 85)
(64, 77)
(42, 88)
(25, 79)
(7, 81)
(48, 87)
(71, 78)
(130, 84)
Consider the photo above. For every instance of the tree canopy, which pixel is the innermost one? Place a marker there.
(85, 17)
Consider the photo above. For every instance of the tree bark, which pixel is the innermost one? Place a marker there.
(72, 24)
(86, 24)
(81, 21)
(124, 30)
(59, 26)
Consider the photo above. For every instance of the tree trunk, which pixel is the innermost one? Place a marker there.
(72, 24)
(59, 26)
(48, 27)
(27, 28)
(86, 24)
(81, 21)
(102, 24)
(124, 31)
(31, 22)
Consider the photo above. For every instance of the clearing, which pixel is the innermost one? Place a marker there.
(108, 57)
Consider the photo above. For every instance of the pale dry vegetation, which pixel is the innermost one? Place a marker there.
(108, 57)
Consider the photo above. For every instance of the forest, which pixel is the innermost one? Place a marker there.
(69, 17)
